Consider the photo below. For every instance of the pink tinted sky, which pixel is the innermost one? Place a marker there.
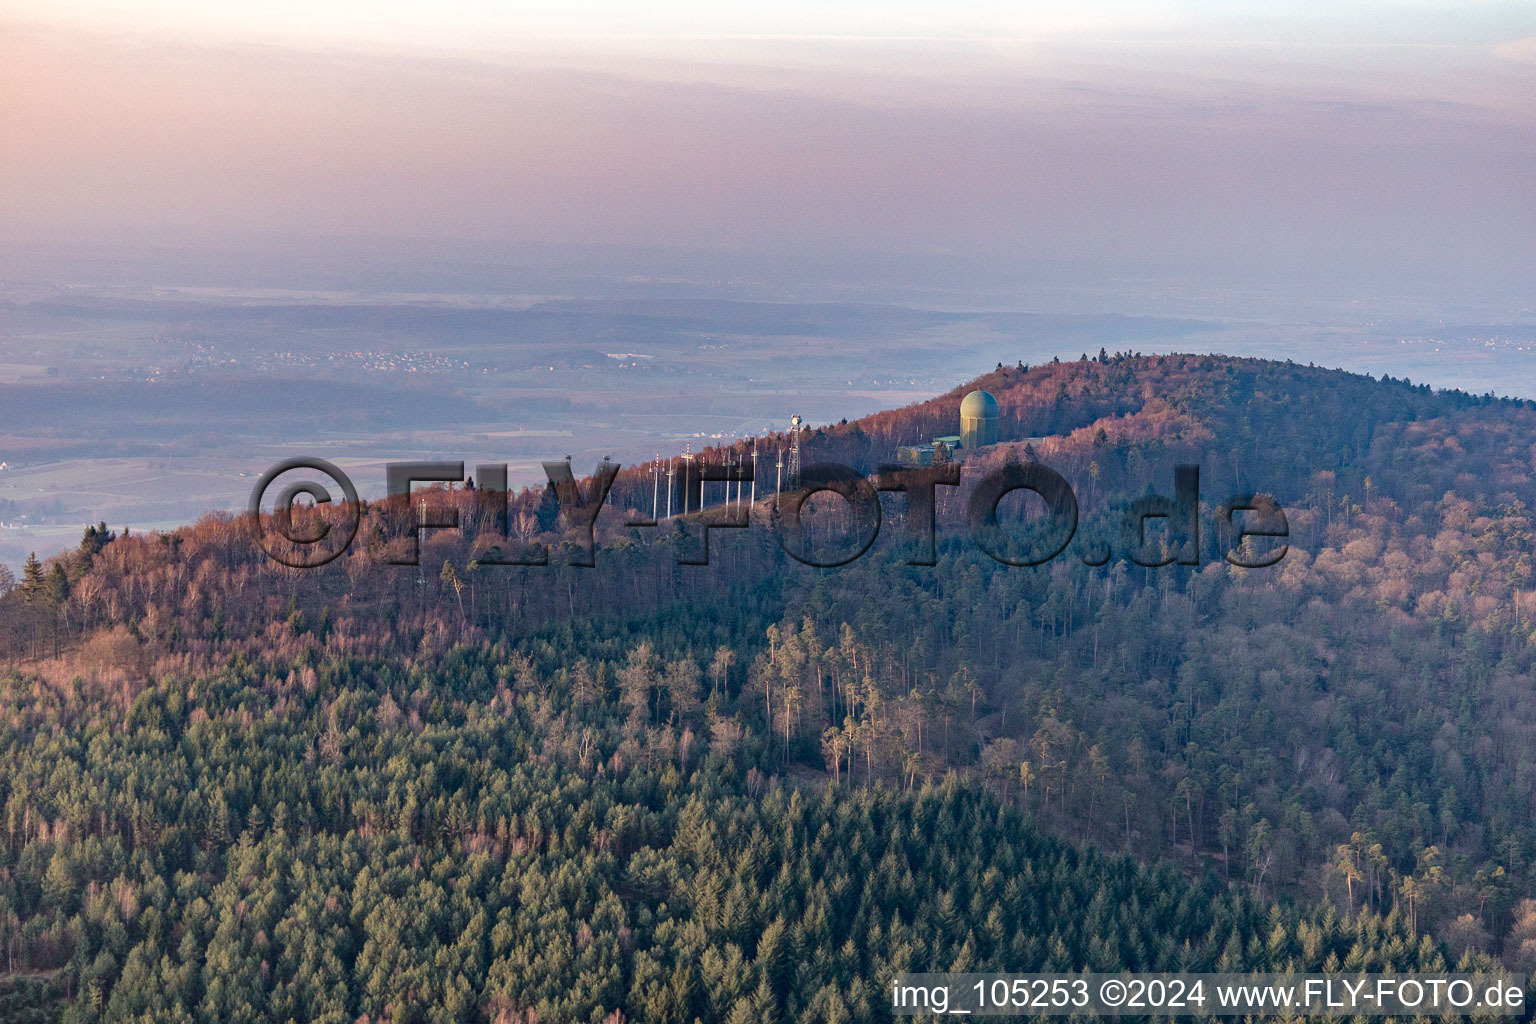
(1400, 135)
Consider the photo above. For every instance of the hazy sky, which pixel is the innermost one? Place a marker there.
(1393, 141)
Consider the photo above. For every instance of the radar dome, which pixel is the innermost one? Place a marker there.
(980, 404)
(978, 420)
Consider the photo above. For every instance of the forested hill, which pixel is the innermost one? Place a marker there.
(749, 791)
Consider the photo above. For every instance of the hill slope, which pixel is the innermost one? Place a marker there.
(750, 790)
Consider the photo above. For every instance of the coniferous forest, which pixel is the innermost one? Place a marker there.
(751, 791)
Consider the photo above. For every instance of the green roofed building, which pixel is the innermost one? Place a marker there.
(978, 426)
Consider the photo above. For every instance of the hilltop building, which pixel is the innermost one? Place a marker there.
(978, 428)
(978, 420)
(942, 450)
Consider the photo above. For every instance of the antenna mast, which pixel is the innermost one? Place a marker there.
(655, 485)
(421, 524)
(794, 450)
(687, 465)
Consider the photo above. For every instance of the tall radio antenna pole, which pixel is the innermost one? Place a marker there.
(687, 465)
(655, 485)
(794, 450)
(421, 524)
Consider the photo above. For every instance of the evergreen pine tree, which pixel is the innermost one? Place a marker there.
(58, 586)
(32, 578)
(548, 514)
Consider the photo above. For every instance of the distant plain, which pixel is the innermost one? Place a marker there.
(149, 407)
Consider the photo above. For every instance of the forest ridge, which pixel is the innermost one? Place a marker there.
(237, 791)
